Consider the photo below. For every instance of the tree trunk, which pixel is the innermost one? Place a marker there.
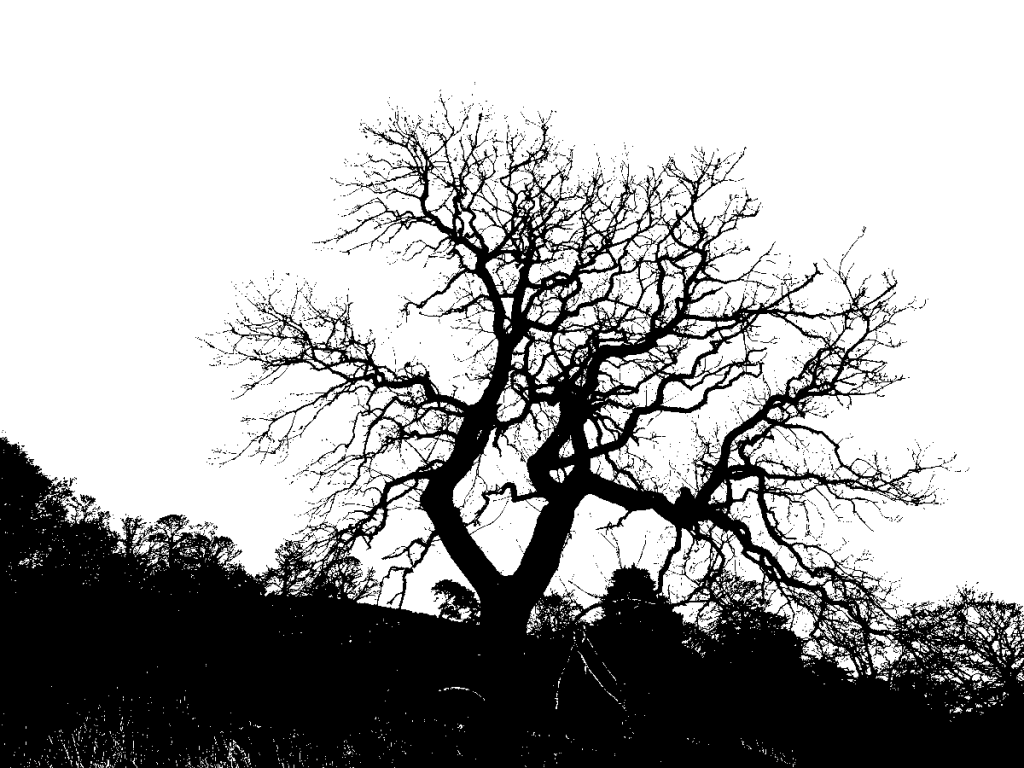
(506, 690)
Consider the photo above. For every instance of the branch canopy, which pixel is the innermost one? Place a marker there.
(594, 305)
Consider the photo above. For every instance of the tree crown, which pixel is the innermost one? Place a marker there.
(596, 304)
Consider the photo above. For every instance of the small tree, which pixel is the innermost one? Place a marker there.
(967, 651)
(295, 573)
(457, 602)
(172, 537)
(344, 578)
(290, 573)
(632, 600)
(137, 550)
(592, 305)
(554, 616)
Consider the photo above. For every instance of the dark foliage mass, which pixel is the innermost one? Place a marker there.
(157, 625)
(53, 538)
(457, 601)
(60, 542)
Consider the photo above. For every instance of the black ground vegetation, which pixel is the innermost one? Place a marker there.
(204, 670)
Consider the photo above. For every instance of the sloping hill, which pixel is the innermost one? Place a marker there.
(294, 656)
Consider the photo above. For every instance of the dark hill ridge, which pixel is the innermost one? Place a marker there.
(290, 659)
(329, 669)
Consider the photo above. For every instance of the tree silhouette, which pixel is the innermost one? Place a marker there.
(289, 574)
(554, 616)
(632, 599)
(340, 575)
(27, 517)
(172, 536)
(192, 559)
(344, 578)
(457, 602)
(754, 650)
(82, 550)
(966, 653)
(590, 305)
(137, 550)
(55, 540)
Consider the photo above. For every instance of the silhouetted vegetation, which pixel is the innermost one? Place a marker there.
(600, 317)
(596, 304)
(297, 573)
(164, 647)
(456, 601)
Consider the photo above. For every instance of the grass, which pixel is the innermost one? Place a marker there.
(139, 734)
(119, 733)
(134, 736)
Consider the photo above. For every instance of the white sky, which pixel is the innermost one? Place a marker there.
(150, 158)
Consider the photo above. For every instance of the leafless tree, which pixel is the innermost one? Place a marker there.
(971, 645)
(345, 578)
(297, 571)
(173, 538)
(592, 305)
(554, 615)
(289, 574)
